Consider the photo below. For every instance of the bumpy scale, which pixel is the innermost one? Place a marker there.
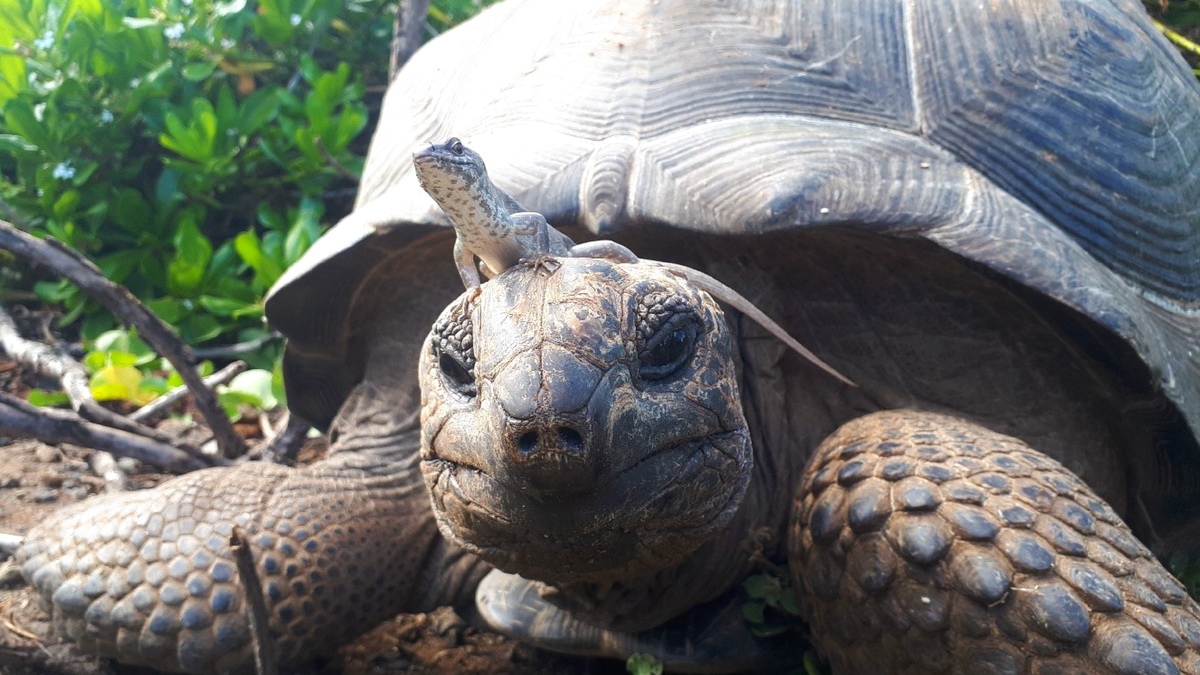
(926, 544)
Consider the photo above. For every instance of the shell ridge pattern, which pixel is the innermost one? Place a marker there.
(1049, 94)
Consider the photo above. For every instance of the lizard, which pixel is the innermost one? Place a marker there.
(491, 225)
(488, 222)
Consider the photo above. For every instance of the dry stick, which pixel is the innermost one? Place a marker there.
(264, 646)
(337, 166)
(106, 467)
(169, 399)
(238, 349)
(80, 271)
(19, 419)
(48, 362)
(406, 33)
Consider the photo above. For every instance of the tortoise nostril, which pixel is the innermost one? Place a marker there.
(527, 443)
(569, 440)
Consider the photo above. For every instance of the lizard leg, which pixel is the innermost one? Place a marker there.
(603, 248)
(465, 260)
(530, 223)
(926, 543)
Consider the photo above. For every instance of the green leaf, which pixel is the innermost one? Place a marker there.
(266, 270)
(14, 143)
(259, 109)
(192, 253)
(47, 399)
(221, 306)
(199, 328)
(199, 71)
(228, 7)
(643, 664)
(761, 586)
(233, 400)
(278, 388)
(752, 611)
(65, 204)
(788, 602)
(256, 383)
(129, 210)
(138, 22)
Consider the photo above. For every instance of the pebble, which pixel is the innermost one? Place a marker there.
(48, 454)
(45, 496)
(51, 479)
(10, 483)
(79, 493)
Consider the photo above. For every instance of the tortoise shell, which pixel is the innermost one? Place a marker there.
(1057, 143)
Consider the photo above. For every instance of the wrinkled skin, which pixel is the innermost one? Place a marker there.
(595, 434)
(583, 428)
(923, 534)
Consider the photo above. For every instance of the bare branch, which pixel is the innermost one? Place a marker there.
(337, 166)
(19, 419)
(48, 362)
(239, 349)
(106, 467)
(169, 399)
(80, 271)
(406, 33)
(264, 646)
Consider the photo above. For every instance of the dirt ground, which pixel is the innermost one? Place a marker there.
(36, 479)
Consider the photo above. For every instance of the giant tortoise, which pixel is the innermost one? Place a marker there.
(985, 214)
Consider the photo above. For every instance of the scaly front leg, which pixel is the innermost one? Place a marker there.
(530, 223)
(464, 259)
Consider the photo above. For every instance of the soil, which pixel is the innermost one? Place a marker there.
(37, 479)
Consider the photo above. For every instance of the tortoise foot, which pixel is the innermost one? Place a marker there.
(925, 543)
(710, 638)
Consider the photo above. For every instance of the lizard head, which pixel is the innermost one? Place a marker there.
(446, 168)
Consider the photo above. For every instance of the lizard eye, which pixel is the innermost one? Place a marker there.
(456, 146)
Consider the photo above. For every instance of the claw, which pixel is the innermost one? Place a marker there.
(543, 263)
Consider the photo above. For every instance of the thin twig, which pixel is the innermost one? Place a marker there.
(337, 166)
(106, 467)
(160, 404)
(406, 33)
(238, 349)
(71, 376)
(80, 271)
(1176, 37)
(21, 420)
(264, 646)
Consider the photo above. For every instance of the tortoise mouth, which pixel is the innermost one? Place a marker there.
(647, 517)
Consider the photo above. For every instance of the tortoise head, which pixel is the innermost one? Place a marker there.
(583, 424)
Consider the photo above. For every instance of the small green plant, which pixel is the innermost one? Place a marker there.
(1187, 570)
(772, 607)
(643, 664)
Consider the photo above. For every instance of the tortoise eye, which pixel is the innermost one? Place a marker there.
(456, 374)
(669, 351)
(456, 146)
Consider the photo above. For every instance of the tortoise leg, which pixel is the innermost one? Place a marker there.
(148, 578)
(922, 543)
